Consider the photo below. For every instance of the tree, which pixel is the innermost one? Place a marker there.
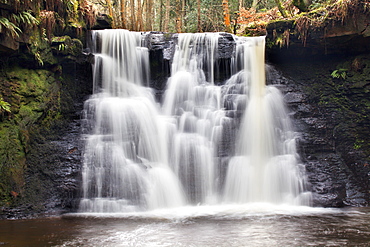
(281, 8)
(123, 14)
(110, 9)
(139, 18)
(167, 16)
(226, 13)
(149, 14)
(198, 16)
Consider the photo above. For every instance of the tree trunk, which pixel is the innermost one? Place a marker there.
(149, 15)
(110, 9)
(241, 4)
(255, 3)
(133, 17)
(167, 15)
(178, 16)
(183, 13)
(160, 22)
(139, 16)
(123, 14)
(226, 12)
(198, 15)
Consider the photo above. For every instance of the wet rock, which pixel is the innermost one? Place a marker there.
(294, 98)
(323, 119)
(103, 21)
(226, 46)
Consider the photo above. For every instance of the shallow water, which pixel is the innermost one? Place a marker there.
(227, 225)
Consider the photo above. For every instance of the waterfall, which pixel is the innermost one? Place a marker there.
(266, 166)
(142, 155)
(125, 162)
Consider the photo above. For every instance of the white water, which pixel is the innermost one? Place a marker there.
(265, 168)
(125, 161)
(140, 155)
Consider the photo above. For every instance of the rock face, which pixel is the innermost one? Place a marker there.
(329, 114)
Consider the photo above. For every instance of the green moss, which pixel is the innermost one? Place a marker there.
(34, 96)
(40, 48)
(65, 45)
(12, 165)
(281, 25)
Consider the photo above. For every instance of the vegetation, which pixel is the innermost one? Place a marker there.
(178, 15)
(243, 17)
(4, 106)
(9, 28)
(339, 73)
(19, 17)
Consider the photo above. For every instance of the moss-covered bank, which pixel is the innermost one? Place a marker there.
(44, 94)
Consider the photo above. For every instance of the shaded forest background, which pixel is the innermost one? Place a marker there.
(236, 16)
(242, 17)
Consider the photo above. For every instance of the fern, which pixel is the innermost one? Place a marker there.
(9, 27)
(29, 19)
(339, 73)
(4, 106)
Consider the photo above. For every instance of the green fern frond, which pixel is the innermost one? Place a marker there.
(9, 27)
(25, 17)
(29, 18)
(339, 73)
(4, 106)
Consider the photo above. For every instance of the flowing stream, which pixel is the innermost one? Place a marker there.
(204, 226)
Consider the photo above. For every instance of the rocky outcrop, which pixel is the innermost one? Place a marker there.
(325, 31)
(45, 134)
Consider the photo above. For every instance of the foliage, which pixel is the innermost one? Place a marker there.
(339, 73)
(25, 18)
(48, 22)
(9, 27)
(253, 22)
(4, 107)
(88, 13)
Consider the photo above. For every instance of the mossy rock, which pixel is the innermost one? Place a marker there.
(280, 25)
(31, 89)
(67, 46)
(12, 161)
(40, 50)
(34, 96)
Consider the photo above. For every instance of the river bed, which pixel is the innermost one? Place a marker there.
(226, 225)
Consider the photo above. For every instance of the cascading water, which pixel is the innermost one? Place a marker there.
(141, 155)
(125, 161)
(265, 168)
